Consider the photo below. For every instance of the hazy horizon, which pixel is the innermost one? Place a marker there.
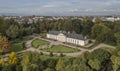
(60, 8)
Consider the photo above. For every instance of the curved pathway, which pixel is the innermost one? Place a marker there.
(74, 54)
(82, 50)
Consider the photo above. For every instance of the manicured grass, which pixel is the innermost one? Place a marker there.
(60, 49)
(37, 42)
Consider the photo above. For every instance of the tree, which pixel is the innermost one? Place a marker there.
(87, 27)
(49, 69)
(13, 31)
(79, 64)
(9, 67)
(4, 43)
(75, 26)
(98, 20)
(106, 36)
(96, 30)
(2, 62)
(117, 26)
(60, 66)
(99, 54)
(117, 35)
(18, 68)
(42, 27)
(3, 25)
(12, 58)
(51, 63)
(116, 62)
(26, 63)
(95, 64)
(31, 62)
(103, 34)
(29, 30)
(51, 54)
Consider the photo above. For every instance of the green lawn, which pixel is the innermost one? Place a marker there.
(60, 49)
(17, 45)
(36, 43)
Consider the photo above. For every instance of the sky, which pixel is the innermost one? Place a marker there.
(60, 7)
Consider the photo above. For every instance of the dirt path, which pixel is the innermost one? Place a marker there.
(74, 54)
(102, 45)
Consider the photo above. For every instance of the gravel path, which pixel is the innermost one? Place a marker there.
(74, 54)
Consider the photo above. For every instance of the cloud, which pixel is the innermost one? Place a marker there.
(63, 6)
(48, 6)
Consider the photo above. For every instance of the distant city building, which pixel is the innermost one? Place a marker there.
(112, 19)
(77, 39)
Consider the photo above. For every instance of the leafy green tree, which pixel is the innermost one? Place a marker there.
(3, 25)
(99, 54)
(18, 67)
(87, 28)
(95, 64)
(51, 63)
(117, 35)
(60, 66)
(116, 62)
(26, 63)
(75, 26)
(106, 35)
(13, 31)
(103, 34)
(116, 26)
(49, 69)
(98, 21)
(29, 30)
(96, 30)
(79, 64)
(31, 62)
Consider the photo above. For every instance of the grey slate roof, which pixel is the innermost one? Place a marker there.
(75, 36)
(69, 35)
(54, 32)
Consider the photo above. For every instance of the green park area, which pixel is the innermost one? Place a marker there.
(38, 42)
(18, 44)
(61, 49)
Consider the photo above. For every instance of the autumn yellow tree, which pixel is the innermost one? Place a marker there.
(12, 58)
(4, 43)
(2, 62)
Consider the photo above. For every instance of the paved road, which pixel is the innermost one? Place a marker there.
(74, 54)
